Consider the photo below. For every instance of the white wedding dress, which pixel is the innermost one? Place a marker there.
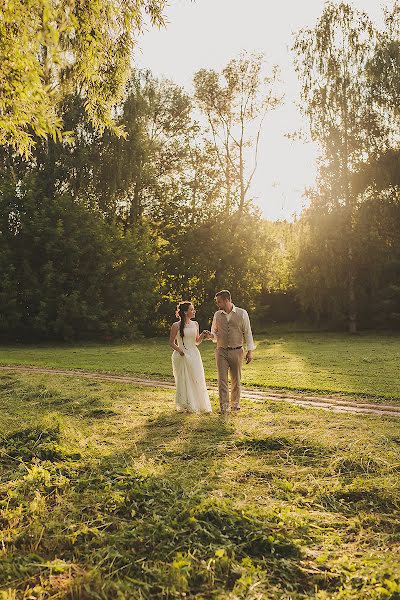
(191, 390)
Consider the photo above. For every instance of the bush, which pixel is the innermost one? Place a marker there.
(67, 273)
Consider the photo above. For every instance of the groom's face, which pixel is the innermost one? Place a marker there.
(221, 302)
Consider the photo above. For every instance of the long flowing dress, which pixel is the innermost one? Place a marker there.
(191, 390)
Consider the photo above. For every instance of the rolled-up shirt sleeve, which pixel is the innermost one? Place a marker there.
(248, 336)
(214, 329)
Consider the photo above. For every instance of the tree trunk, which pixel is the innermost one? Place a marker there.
(241, 168)
(351, 287)
(352, 311)
(135, 210)
(228, 176)
(242, 186)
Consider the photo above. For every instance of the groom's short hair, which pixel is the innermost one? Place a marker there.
(224, 294)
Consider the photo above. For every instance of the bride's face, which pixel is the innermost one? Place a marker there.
(191, 313)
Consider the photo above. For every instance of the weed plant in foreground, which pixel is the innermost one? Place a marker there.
(106, 492)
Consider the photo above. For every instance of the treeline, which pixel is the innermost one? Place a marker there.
(101, 235)
(348, 266)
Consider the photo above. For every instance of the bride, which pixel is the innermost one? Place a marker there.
(191, 390)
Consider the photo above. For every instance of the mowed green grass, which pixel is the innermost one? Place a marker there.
(106, 492)
(364, 365)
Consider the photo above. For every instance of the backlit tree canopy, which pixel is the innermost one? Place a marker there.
(50, 48)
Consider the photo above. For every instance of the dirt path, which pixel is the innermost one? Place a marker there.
(322, 402)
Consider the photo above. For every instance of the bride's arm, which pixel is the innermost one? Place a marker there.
(172, 339)
(199, 336)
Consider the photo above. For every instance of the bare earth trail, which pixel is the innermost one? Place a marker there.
(330, 403)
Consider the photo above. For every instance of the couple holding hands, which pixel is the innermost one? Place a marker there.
(230, 330)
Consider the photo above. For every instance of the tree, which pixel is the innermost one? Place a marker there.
(200, 258)
(377, 232)
(157, 118)
(99, 235)
(331, 61)
(384, 69)
(235, 103)
(51, 49)
(321, 263)
(131, 177)
(66, 272)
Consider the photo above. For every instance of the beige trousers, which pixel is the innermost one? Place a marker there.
(229, 360)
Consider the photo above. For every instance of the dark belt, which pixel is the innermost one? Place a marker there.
(237, 348)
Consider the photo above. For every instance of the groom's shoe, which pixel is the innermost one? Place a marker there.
(235, 408)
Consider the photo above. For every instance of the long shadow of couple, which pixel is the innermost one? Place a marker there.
(184, 448)
(172, 532)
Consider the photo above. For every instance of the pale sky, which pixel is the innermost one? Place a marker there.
(207, 34)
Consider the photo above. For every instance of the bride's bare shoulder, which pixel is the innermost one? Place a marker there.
(175, 325)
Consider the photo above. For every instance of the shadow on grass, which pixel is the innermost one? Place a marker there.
(123, 533)
(173, 535)
(148, 521)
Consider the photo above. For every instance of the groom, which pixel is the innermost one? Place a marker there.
(230, 327)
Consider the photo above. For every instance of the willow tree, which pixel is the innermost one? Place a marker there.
(235, 103)
(50, 48)
(331, 61)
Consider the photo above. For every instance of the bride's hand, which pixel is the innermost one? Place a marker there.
(181, 352)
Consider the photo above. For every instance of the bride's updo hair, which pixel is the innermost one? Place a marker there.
(181, 309)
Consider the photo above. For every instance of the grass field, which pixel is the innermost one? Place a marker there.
(106, 492)
(364, 365)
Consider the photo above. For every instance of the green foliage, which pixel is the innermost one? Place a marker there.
(49, 49)
(331, 61)
(378, 255)
(99, 203)
(320, 272)
(384, 68)
(321, 265)
(221, 252)
(67, 273)
(105, 229)
(136, 177)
